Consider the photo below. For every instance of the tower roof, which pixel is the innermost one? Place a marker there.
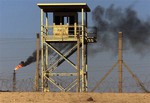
(63, 7)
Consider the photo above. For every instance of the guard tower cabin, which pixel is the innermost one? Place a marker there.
(64, 29)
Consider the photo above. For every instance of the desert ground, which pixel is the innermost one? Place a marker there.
(53, 97)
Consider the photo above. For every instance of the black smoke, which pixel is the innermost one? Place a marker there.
(109, 21)
(32, 58)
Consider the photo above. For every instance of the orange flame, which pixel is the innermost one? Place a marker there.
(18, 66)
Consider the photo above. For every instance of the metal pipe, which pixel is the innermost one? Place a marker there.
(83, 59)
(14, 81)
(46, 51)
(78, 62)
(46, 88)
(86, 58)
(42, 51)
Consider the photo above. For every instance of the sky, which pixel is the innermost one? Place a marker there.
(20, 21)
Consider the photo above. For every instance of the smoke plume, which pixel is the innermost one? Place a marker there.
(32, 58)
(109, 21)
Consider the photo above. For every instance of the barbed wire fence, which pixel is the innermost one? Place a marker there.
(108, 85)
(129, 85)
(6, 83)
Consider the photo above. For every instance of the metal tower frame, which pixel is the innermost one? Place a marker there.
(80, 39)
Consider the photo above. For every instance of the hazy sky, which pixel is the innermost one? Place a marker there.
(20, 21)
(20, 18)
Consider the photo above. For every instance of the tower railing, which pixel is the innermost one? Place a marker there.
(68, 31)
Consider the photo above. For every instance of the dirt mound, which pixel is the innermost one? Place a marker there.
(39, 97)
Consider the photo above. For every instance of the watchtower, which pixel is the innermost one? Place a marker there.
(64, 35)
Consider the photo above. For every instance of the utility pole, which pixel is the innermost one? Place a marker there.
(37, 62)
(120, 61)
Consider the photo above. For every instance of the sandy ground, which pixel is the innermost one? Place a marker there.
(39, 97)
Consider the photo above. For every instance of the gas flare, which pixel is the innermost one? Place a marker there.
(20, 65)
